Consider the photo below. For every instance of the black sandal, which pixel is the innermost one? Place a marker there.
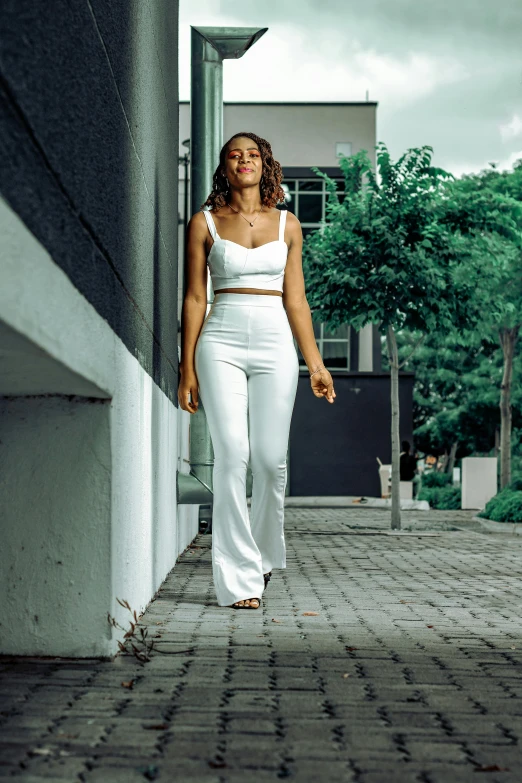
(267, 578)
(236, 605)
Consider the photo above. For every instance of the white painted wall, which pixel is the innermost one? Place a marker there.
(88, 482)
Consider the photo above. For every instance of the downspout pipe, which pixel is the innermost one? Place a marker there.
(210, 46)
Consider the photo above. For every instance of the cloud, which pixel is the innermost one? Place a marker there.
(405, 79)
(508, 163)
(461, 166)
(512, 129)
(446, 72)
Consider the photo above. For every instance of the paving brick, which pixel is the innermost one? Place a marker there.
(114, 774)
(63, 769)
(25, 777)
(363, 692)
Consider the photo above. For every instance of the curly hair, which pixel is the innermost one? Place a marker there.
(270, 185)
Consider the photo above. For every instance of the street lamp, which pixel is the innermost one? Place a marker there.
(210, 46)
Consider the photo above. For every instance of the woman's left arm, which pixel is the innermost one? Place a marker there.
(299, 314)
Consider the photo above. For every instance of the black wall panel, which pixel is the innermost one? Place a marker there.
(89, 156)
(334, 447)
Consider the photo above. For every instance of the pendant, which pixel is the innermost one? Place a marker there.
(251, 224)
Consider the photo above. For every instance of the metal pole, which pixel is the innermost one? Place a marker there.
(186, 162)
(206, 117)
(210, 46)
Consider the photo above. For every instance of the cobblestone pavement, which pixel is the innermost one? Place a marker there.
(375, 658)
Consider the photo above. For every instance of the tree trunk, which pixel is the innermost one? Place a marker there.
(452, 457)
(508, 339)
(393, 355)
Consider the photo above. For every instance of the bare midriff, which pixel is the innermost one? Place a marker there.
(247, 291)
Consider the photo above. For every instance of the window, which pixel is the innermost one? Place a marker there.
(334, 346)
(306, 198)
(343, 148)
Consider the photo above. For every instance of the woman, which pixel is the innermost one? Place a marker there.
(243, 359)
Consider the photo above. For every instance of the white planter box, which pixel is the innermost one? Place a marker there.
(479, 481)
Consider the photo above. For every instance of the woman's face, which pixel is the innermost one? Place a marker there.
(243, 164)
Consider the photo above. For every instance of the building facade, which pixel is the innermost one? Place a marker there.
(91, 436)
(333, 449)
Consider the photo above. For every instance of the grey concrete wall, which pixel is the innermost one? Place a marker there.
(88, 156)
(55, 510)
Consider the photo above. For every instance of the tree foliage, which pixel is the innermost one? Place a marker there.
(488, 206)
(419, 253)
(386, 256)
(456, 392)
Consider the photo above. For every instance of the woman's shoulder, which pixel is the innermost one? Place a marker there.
(197, 225)
(198, 218)
(213, 211)
(292, 222)
(291, 219)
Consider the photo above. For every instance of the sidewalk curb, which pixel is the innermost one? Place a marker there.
(347, 501)
(514, 528)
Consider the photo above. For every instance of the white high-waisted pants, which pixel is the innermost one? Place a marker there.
(247, 369)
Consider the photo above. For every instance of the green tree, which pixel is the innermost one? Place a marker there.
(455, 396)
(489, 207)
(384, 257)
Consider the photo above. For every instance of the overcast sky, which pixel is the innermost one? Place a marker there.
(447, 73)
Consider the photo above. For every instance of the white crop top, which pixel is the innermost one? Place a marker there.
(236, 266)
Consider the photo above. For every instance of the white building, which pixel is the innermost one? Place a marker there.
(302, 135)
(332, 449)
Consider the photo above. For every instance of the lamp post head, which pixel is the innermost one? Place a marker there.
(231, 43)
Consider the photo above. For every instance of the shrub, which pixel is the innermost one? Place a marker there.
(504, 507)
(435, 479)
(441, 497)
(516, 484)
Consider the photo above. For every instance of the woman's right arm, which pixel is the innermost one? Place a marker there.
(194, 309)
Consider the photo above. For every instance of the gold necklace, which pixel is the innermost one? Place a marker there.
(244, 218)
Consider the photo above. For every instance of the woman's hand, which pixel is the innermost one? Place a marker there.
(322, 385)
(188, 391)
